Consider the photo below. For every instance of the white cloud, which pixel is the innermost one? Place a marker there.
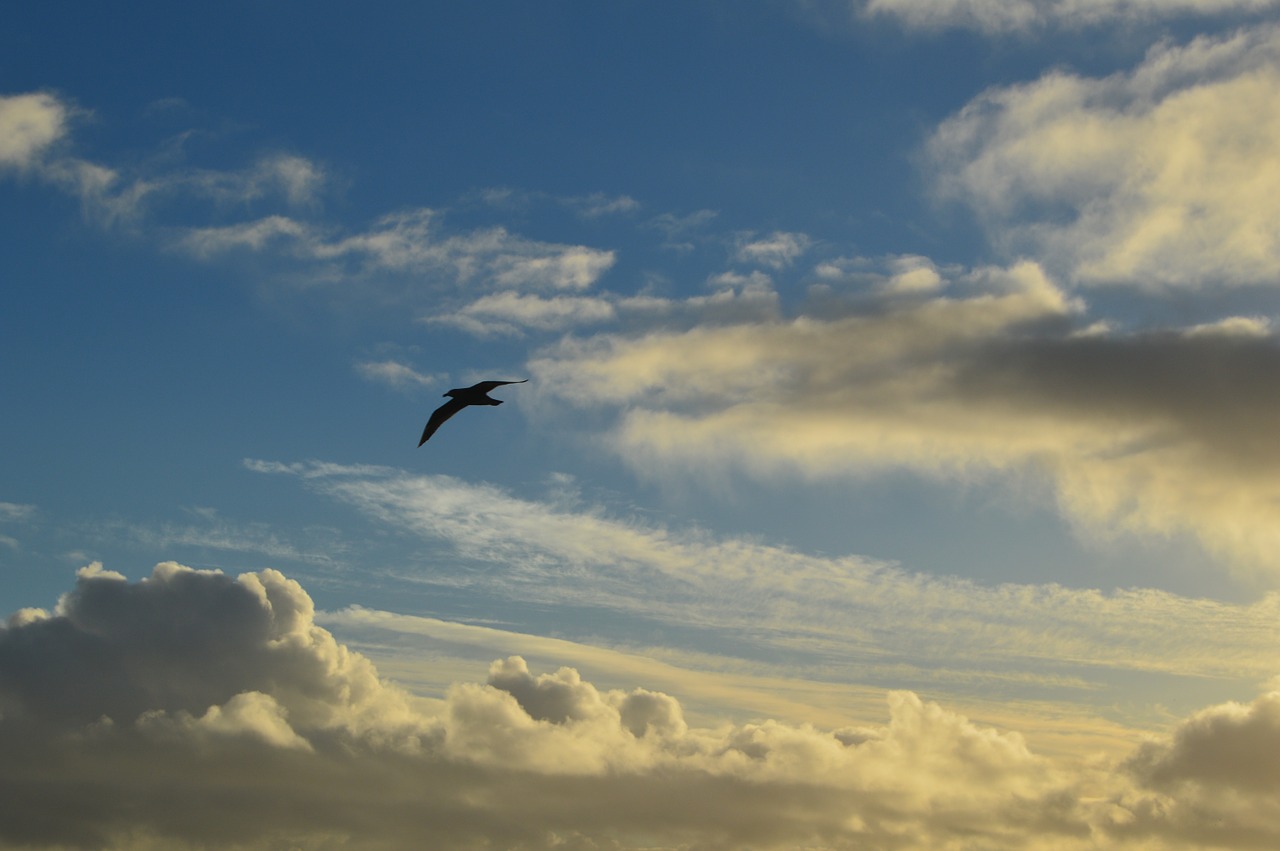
(395, 374)
(1233, 326)
(513, 312)
(1164, 177)
(1021, 16)
(413, 241)
(29, 125)
(777, 250)
(1151, 433)
(32, 125)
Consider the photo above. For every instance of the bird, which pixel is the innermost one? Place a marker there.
(461, 397)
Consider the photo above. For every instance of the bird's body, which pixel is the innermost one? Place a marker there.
(462, 397)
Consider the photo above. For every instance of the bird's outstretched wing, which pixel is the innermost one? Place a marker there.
(438, 416)
(486, 386)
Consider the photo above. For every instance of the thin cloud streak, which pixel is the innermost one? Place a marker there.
(413, 241)
(778, 603)
(1026, 17)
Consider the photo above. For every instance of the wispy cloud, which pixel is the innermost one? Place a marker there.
(208, 531)
(1028, 16)
(511, 313)
(776, 250)
(1166, 176)
(594, 205)
(16, 512)
(35, 139)
(774, 603)
(395, 374)
(414, 241)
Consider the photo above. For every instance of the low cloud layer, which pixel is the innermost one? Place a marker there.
(195, 709)
(1163, 177)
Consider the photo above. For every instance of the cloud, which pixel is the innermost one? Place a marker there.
(212, 532)
(1152, 433)
(1165, 177)
(1210, 782)
(297, 180)
(16, 512)
(35, 127)
(597, 205)
(777, 250)
(395, 374)
(734, 297)
(774, 605)
(682, 232)
(412, 241)
(1023, 16)
(31, 128)
(29, 125)
(141, 714)
(509, 313)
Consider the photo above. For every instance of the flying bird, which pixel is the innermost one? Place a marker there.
(476, 394)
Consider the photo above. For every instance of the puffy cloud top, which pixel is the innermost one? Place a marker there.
(142, 714)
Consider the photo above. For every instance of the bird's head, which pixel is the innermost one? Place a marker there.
(449, 393)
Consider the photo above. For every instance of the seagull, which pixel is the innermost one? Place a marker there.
(476, 394)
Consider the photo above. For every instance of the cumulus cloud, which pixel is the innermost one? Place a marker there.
(1211, 782)
(142, 714)
(1152, 432)
(1022, 16)
(1167, 176)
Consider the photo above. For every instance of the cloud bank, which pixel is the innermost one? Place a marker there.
(195, 709)
(994, 373)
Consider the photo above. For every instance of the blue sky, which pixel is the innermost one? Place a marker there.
(900, 411)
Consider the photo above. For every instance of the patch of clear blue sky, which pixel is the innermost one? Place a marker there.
(139, 378)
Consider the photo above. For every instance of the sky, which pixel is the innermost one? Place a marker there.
(896, 467)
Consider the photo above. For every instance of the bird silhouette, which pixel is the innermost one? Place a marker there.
(476, 394)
